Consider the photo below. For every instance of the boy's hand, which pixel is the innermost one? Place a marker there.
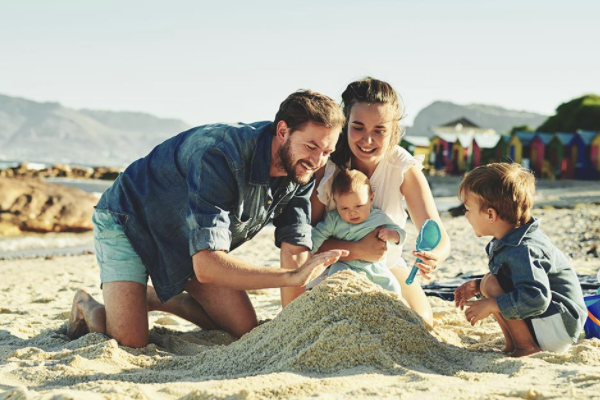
(389, 235)
(480, 309)
(464, 292)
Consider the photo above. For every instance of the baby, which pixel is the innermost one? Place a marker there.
(353, 218)
(531, 289)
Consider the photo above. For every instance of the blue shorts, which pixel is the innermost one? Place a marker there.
(117, 259)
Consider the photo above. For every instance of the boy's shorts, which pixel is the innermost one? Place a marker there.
(548, 332)
(117, 259)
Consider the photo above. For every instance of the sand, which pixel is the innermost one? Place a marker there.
(346, 338)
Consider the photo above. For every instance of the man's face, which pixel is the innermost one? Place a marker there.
(306, 150)
(354, 207)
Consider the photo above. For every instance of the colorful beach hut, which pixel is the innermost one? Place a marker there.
(417, 145)
(484, 150)
(501, 149)
(538, 153)
(582, 165)
(461, 150)
(595, 151)
(440, 148)
(558, 154)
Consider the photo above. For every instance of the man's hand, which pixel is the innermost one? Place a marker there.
(389, 235)
(464, 292)
(372, 248)
(480, 309)
(315, 266)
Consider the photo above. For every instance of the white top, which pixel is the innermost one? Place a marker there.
(385, 182)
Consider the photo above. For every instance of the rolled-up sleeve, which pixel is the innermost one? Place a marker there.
(211, 190)
(532, 294)
(293, 224)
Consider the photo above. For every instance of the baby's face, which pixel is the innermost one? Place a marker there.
(354, 207)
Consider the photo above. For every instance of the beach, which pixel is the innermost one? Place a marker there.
(346, 338)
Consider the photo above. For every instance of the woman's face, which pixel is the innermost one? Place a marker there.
(370, 128)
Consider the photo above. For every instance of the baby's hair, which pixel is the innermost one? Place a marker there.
(349, 180)
(507, 188)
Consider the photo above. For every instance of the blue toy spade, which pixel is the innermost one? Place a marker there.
(429, 237)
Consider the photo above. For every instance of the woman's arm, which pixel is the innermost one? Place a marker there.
(421, 207)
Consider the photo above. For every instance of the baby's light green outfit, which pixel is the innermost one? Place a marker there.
(334, 227)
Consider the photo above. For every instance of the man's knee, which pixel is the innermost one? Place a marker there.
(490, 287)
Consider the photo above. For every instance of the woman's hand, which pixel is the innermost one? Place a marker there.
(428, 264)
(315, 265)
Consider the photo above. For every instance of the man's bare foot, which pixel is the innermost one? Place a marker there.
(527, 351)
(77, 326)
(87, 315)
(508, 348)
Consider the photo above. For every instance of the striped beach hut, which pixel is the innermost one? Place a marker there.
(538, 153)
(558, 154)
(440, 148)
(417, 145)
(461, 150)
(524, 147)
(595, 151)
(484, 150)
(582, 164)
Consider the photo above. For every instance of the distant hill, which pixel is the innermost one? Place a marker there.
(486, 116)
(52, 133)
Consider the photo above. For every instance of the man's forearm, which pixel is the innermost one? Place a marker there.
(222, 269)
(333, 244)
(292, 257)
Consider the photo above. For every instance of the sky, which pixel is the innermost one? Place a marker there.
(229, 61)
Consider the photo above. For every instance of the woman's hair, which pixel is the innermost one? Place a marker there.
(306, 106)
(372, 91)
(507, 188)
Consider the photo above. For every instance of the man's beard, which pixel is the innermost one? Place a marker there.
(286, 162)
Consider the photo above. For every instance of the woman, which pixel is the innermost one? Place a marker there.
(369, 143)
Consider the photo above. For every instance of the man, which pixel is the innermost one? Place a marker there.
(175, 214)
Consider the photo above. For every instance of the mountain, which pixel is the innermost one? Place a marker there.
(486, 116)
(52, 133)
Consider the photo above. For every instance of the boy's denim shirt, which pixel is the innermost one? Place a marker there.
(205, 189)
(544, 281)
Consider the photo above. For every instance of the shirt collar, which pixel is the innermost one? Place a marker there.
(515, 237)
(261, 160)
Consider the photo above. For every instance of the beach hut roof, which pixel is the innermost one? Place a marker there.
(544, 137)
(487, 141)
(463, 121)
(587, 136)
(465, 140)
(564, 138)
(421, 141)
(525, 137)
(447, 137)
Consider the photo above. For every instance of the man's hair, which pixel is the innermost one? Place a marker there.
(372, 91)
(349, 180)
(507, 188)
(306, 106)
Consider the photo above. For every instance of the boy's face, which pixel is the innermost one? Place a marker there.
(354, 207)
(477, 217)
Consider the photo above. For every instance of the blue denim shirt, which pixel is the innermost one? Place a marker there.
(544, 280)
(205, 189)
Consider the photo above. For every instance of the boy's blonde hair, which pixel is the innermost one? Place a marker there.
(349, 180)
(507, 188)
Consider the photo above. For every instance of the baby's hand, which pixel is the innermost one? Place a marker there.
(389, 235)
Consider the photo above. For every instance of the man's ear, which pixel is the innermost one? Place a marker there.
(282, 131)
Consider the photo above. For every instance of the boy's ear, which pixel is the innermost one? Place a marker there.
(491, 214)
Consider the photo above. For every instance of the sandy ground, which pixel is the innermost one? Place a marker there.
(345, 339)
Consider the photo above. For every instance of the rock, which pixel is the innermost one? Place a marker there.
(37, 206)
